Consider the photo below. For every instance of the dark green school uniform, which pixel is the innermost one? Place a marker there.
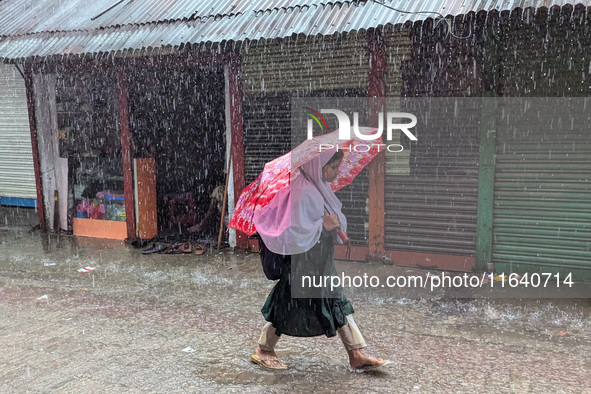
(324, 311)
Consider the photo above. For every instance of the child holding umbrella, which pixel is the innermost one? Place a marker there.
(302, 221)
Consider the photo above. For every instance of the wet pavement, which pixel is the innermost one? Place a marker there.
(187, 323)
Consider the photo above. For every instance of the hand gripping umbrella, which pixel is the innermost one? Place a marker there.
(342, 235)
(278, 173)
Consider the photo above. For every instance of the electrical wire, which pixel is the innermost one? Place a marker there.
(440, 18)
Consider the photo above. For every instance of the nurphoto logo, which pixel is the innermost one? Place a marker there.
(392, 124)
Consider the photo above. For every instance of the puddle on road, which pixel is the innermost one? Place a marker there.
(219, 296)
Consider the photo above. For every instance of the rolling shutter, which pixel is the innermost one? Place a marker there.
(542, 211)
(431, 194)
(431, 189)
(17, 175)
(273, 72)
(542, 191)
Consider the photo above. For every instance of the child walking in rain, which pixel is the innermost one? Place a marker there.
(302, 221)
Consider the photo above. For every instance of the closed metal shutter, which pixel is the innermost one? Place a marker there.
(431, 187)
(542, 211)
(267, 130)
(274, 72)
(432, 208)
(17, 175)
(355, 208)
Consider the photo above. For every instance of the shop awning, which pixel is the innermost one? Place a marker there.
(31, 28)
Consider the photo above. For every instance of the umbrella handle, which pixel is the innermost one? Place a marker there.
(343, 236)
(341, 233)
(346, 240)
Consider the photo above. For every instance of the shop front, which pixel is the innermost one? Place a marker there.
(175, 140)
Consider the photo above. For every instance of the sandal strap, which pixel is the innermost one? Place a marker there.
(273, 361)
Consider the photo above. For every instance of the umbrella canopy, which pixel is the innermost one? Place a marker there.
(278, 174)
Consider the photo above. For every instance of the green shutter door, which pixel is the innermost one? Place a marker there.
(542, 197)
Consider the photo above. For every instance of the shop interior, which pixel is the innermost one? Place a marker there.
(176, 115)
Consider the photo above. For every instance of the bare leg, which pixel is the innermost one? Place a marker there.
(266, 354)
(354, 342)
(266, 348)
(359, 360)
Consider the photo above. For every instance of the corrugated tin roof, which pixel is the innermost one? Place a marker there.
(53, 27)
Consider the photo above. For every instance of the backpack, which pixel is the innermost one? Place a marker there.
(273, 263)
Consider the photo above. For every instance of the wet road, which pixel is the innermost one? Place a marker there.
(186, 323)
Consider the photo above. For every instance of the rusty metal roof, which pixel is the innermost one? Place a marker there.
(66, 27)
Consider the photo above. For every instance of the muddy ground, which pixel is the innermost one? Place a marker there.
(185, 323)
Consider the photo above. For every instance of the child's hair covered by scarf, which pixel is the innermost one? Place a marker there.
(292, 222)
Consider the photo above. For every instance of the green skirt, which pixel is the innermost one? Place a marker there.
(308, 317)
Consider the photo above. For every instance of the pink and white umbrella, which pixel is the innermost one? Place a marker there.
(278, 174)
